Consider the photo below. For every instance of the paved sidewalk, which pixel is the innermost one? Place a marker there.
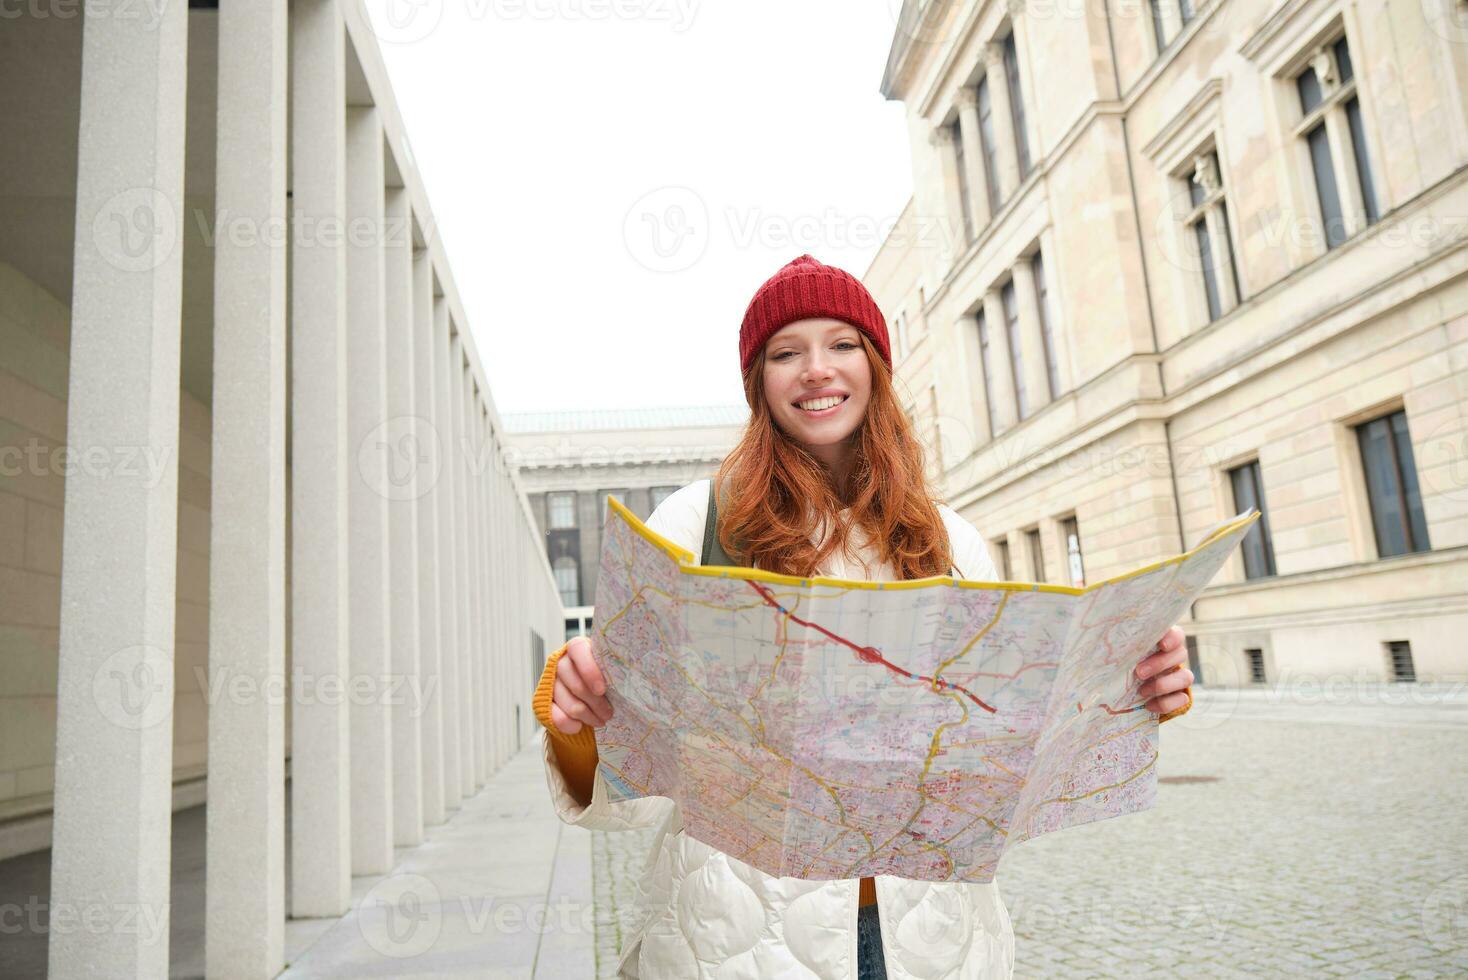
(1297, 832)
(502, 889)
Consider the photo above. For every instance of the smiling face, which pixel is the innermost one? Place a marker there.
(817, 382)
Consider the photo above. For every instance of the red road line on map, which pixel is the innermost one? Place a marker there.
(868, 654)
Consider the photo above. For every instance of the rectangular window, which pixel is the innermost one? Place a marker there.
(1258, 546)
(1037, 553)
(987, 144)
(1001, 548)
(561, 510)
(1363, 162)
(1207, 222)
(1255, 656)
(1158, 30)
(1017, 107)
(1399, 660)
(986, 364)
(1329, 106)
(901, 325)
(1070, 532)
(568, 580)
(1390, 470)
(659, 494)
(965, 205)
(1185, 10)
(1047, 335)
(1016, 351)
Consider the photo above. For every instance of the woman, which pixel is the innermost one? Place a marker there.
(827, 479)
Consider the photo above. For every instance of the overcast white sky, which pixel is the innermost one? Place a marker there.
(614, 178)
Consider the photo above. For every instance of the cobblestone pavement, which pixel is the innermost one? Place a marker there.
(1332, 840)
(1293, 834)
(616, 865)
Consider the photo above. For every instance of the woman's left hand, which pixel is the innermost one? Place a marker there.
(1164, 678)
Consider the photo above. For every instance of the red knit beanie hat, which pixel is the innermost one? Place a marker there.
(805, 289)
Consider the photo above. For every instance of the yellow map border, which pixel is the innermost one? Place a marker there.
(684, 557)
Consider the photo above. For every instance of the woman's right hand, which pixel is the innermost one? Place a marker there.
(580, 696)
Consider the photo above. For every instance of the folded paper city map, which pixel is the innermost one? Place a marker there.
(823, 728)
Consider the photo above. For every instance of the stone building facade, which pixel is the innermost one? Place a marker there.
(1168, 260)
(571, 461)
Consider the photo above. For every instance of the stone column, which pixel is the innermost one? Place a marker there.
(1037, 373)
(367, 543)
(449, 531)
(403, 462)
(941, 139)
(428, 455)
(463, 592)
(114, 705)
(321, 879)
(244, 934)
(499, 697)
(483, 728)
(973, 155)
(1006, 410)
(1003, 116)
(476, 591)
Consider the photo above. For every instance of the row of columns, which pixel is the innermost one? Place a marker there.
(970, 169)
(405, 546)
(999, 378)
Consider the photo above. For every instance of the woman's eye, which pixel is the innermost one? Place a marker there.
(783, 354)
(845, 345)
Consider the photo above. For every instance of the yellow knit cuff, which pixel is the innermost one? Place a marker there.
(1178, 711)
(585, 739)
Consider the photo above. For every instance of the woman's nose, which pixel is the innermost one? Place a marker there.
(818, 367)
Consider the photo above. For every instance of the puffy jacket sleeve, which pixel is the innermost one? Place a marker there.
(971, 555)
(577, 787)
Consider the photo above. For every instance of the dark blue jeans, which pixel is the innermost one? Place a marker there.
(870, 964)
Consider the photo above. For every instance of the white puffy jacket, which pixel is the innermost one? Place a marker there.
(705, 914)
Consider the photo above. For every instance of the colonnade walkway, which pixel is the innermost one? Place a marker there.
(500, 889)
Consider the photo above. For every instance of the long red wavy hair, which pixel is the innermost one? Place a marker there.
(770, 487)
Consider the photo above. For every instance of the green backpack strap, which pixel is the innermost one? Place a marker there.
(713, 551)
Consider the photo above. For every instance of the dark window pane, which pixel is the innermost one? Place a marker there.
(1071, 533)
(1016, 352)
(1002, 547)
(1037, 554)
(1258, 547)
(1228, 243)
(1017, 106)
(1195, 191)
(1157, 30)
(1185, 8)
(1363, 161)
(984, 361)
(1310, 94)
(956, 131)
(1342, 60)
(1210, 277)
(1389, 467)
(987, 144)
(1325, 188)
(1042, 300)
(1411, 493)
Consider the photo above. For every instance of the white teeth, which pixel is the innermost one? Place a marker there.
(817, 404)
